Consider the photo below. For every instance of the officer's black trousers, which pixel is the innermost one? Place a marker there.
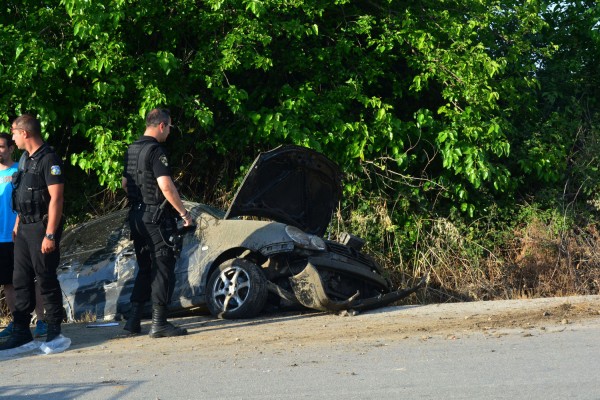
(155, 257)
(31, 264)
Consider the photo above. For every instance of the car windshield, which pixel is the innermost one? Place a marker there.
(99, 238)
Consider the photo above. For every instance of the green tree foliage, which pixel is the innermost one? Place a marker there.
(562, 143)
(437, 107)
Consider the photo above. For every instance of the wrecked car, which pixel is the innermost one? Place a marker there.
(267, 248)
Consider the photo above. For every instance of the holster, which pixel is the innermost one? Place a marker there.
(158, 214)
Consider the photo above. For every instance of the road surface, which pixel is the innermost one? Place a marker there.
(521, 349)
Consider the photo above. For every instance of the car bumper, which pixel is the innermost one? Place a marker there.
(310, 292)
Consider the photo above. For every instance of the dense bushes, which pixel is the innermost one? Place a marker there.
(447, 118)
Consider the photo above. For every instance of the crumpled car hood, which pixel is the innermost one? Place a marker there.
(293, 185)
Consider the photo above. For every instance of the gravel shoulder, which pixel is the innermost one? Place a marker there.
(310, 329)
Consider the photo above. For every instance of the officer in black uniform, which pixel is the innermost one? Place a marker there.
(155, 205)
(38, 201)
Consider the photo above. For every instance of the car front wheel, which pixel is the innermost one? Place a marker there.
(237, 289)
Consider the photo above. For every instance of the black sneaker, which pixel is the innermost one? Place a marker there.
(19, 337)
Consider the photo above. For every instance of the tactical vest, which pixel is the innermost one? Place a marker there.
(30, 196)
(143, 188)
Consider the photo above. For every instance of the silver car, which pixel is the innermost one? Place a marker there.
(267, 250)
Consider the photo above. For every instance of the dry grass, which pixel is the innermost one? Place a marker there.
(87, 317)
(538, 263)
(556, 264)
(459, 269)
(5, 315)
(541, 259)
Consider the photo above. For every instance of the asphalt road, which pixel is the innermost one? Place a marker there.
(542, 349)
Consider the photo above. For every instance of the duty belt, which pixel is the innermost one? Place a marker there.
(150, 208)
(30, 219)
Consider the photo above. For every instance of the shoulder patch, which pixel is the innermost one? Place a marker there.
(55, 170)
(163, 159)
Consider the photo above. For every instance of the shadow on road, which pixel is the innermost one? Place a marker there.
(70, 391)
(93, 334)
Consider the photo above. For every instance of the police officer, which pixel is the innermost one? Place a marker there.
(155, 205)
(7, 225)
(38, 201)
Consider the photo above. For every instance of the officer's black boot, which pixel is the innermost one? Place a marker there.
(20, 335)
(160, 326)
(133, 324)
(53, 332)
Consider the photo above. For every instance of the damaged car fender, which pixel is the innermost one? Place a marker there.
(223, 245)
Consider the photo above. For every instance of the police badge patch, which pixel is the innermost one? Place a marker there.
(163, 159)
(55, 170)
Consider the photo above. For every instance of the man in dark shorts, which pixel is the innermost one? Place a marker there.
(7, 223)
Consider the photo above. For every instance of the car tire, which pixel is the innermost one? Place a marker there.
(236, 289)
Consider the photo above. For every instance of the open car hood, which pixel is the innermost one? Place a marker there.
(293, 185)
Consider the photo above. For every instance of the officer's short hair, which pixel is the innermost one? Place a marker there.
(8, 138)
(29, 123)
(157, 116)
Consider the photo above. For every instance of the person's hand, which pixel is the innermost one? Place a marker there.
(187, 219)
(48, 246)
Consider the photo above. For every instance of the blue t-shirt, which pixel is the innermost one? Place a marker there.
(7, 215)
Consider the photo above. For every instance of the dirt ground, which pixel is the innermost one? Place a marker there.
(272, 331)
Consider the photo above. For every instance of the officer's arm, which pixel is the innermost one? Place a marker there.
(124, 183)
(55, 210)
(55, 207)
(167, 187)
